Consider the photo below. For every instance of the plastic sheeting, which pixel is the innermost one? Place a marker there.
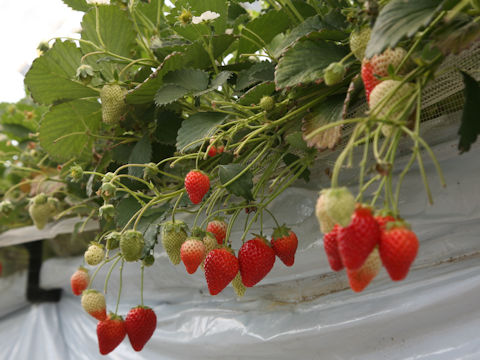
(303, 312)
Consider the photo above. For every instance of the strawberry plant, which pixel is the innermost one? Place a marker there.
(209, 108)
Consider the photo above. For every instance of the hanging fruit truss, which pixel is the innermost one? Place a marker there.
(211, 109)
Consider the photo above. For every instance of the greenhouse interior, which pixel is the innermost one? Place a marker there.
(226, 179)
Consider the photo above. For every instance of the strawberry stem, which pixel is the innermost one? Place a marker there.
(107, 278)
(142, 270)
(119, 286)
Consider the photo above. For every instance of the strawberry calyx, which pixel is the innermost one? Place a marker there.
(281, 231)
(261, 238)
(397, 224)
(94, 243)
(113, 316)
(176, 226)
(198, 232)
(363, 209)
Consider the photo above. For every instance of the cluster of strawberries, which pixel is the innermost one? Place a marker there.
(139, 324)
(356, 240)
(207, 249)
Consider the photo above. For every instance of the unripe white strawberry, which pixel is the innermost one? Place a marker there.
(334, 206)
(113, 103)
(381, 62)
(94, 254)
(358, 41)
(387, 88)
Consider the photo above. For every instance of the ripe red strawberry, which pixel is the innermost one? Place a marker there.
(140, 325)
(368, 77)
(284, 243)
(219, 229)
(360, 278)
(197, 185)
(212, 151)
(93, 302)
(110, 333)
(79, 280)
(256, 259)
(192, 253)
(377, 67)
(357, 240)
(221, 267)
(398, 249)
(383, 220)
(330, 245)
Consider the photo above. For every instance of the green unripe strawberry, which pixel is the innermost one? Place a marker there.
(334, 73)
(94, 254)
(113, 103)
(334, 206)
(76, 173)
(108, 177)
(238, 286)
(358, 41)
(6, 207)
(131, 245)
(267, 103)
(84, 73)
(173, 236)
(113, 240)
(107, 212)
(107, 191)
(39, 210)
(148, 260)
(53, 205)
(150, 171)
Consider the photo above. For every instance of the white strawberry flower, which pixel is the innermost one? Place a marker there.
(206, 16)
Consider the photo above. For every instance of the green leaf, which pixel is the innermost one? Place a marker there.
(289, 159)
(262, 30)
(295, 140)
(254, 95)
(241, 186)
(79, 5)
(400, 18)
(16, 131)
(194, 56)
(168, 124)
(220, 79)
(116, 30)
(470, 123)
(126, 208)
(327, 112)
(306, 61)
(64, 131)
(169, 93)
(190, 79)
(141, 154)
(262, 71)
(149, 226)
(52, 76)
(179, 83)
(310, 25)
(196, 128)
